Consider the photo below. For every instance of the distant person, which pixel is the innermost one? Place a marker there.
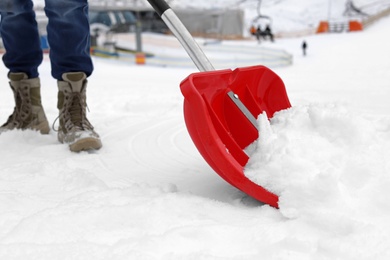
(268, 32)
(69, 39)
(253, 30)
(258, 33)
(304, 47)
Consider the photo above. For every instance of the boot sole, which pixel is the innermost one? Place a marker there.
(86, 144)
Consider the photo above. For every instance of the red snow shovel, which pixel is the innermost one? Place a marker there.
(221, 107)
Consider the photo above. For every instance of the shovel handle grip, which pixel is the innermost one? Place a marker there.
(181, 33)
(160, 6)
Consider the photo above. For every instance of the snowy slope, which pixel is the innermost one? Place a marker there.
(286, 15)
(149, 195)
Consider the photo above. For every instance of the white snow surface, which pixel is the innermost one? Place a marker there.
(287, 16)
(148, 194)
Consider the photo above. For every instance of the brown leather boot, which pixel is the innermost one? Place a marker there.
(28, 112)
(74, 127)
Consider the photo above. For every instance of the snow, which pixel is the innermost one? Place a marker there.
(297, 16)
(292, 16)
(148, 194)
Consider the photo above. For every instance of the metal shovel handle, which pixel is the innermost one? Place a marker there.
(193, 49)
(181, 33)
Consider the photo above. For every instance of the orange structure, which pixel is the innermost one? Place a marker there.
(355, 26)
(323, 27)
(140, 58)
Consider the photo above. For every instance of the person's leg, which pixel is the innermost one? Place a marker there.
(69, 40)
(28, 112)
(74, 127)
(19, 32)
(68, 37)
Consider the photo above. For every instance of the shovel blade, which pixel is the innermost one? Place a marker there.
(220, 130)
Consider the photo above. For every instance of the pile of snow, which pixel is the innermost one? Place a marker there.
(323, 157)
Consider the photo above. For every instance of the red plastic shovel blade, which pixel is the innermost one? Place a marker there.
(220, 130)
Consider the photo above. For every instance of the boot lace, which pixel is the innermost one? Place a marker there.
(73, 113)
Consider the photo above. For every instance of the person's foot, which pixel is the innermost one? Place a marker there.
(74, 127)
(28, 112)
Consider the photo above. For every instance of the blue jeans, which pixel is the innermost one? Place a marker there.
(67, 31)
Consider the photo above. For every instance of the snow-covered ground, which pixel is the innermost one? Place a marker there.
(286, 16)
(148, 194)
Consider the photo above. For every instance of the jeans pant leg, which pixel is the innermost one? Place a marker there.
(68, 36)
(19, 32)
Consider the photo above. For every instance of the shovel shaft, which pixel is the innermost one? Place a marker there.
(181, 33)
(192, 48)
